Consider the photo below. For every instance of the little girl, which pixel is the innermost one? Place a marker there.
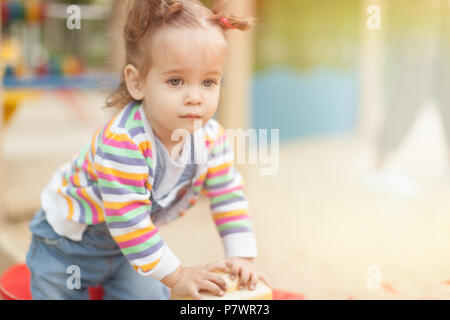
(100, 213)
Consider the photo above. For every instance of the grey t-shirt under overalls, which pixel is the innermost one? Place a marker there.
(171, 179)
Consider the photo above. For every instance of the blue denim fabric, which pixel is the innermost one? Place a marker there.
(98, 258)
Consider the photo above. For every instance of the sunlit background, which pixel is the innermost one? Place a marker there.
(358, 91)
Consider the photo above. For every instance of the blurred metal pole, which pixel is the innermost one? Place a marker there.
(370, 103)
(234, 111)
(235, 105)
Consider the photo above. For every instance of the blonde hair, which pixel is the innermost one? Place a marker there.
(147, 16)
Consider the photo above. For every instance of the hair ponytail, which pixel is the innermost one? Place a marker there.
(227, 22)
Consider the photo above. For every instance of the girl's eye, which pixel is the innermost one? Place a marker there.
(209, 83)
(175, 82)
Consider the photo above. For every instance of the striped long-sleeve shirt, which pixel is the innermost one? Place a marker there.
(111, 179)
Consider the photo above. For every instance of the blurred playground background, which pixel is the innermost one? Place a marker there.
(358, 208)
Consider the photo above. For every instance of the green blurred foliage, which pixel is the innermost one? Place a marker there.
(307, 33)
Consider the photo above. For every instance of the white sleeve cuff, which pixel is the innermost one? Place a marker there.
(168, 264)
(240, 244)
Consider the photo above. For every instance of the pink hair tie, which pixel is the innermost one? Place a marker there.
(226, 23)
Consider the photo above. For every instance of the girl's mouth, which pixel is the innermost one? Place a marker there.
(191, 116)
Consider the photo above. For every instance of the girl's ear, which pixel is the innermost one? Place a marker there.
(134, 82)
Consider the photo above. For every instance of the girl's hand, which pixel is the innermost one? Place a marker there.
(246, 271)
(191, 280)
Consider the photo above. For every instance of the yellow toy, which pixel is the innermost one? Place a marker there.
(261, 292)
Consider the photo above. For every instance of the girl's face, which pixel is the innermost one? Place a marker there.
(183, 83)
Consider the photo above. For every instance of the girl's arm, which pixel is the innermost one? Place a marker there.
(123, 168)
(123, 174)
(229, 206)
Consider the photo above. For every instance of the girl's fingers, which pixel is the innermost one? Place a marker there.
(217, 280)
(265, 279)
(252, 282)
(194, 294)
(244, 277)
(234, 271)
(211, 287)
(218, 265)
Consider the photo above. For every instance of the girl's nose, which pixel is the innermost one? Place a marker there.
(193, 98)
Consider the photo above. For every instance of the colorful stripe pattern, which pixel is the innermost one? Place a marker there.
(224, 186)
(111, 179)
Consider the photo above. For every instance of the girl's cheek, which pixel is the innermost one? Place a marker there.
(170, 100)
